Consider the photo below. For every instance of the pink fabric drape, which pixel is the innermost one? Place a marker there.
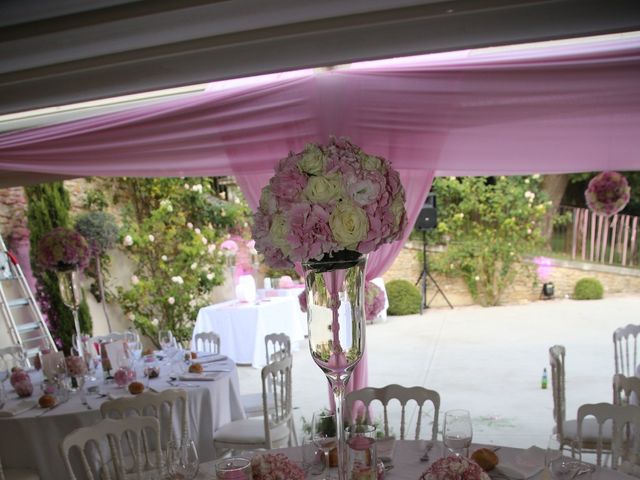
(524, 110)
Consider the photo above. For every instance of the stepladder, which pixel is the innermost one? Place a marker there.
(20, 312)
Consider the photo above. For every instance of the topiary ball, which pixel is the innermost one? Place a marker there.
(588, 289)
(404, 297)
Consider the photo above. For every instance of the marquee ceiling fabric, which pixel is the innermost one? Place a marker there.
(566, 107)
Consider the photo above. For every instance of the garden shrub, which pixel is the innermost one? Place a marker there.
(588, 289)
(404, 297)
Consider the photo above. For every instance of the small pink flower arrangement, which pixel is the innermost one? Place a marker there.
(373, 300)
(276, 466)
(63, 249)
(454, 468)
(229, 246)
(607, 193)
(328, 199)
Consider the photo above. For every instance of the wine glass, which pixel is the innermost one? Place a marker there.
(182, 460)
(167, 341)
(458, 432)
(323, 433)
(553, 452)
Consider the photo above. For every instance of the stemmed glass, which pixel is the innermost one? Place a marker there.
(324, 434)
(458, 431)
(336, 319)
(182, 460)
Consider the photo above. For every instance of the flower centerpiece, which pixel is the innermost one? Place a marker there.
(66, 252)
(607, 193)
(276, 466)
(454, 468)
(327, 207)
(373, 301)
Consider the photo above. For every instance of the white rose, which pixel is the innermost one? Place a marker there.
(135, 280)
(210, 276)
(194, 265)
(164, 258)
(197, 230)
(186, 186)
(131, 317)
(155, 322)
(204, 240)
(324, 189)
(278, 233)
(151, 238)
(190, 225)
(526, 181)
(349, 224)
(535, 176)
(312, 161)
(370, 162)
(171, 300)
(211, 248)
(128, 241)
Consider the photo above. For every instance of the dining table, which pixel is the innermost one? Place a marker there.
(242, 326)
(30, 436)
(406, 462)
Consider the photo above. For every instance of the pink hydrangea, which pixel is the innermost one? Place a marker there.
(373, 301)
(276, 466)
(63, 249)
(607, 193)
(454, 468)
(327, 199)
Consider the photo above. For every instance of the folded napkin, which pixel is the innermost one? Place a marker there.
(212, 368)
(119, 394)
(197, 377)
(524, 465)
(18, 408)
(216, 357)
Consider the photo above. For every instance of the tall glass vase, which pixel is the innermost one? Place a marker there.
(336, 319)
(70, 292)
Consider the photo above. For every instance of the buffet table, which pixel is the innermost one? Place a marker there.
(30, 439)
(408, 466)
(243, 326)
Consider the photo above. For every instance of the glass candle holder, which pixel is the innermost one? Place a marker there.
(361, 452)
(234, 468)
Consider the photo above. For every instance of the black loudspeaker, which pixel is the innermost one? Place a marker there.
(428, 217)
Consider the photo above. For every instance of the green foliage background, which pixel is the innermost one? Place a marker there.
(588, 289)
(404, 297)
(487, 225)
(48, 208)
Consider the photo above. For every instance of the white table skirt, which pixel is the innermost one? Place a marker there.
(243, 326)
(407, 464)
(287, 292)
(32, 441)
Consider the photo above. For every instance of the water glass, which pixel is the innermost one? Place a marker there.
(457, 432)
(361, 452)
(553, 452)
(234, 468)
(311, 456)
(323, 431)
(182, 460)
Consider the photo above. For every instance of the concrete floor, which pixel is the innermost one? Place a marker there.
(486, 360)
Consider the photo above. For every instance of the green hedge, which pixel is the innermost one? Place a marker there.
(404, 297)
(588, 289)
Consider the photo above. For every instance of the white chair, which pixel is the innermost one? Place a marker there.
(626, 390)
(567, 430)
(403, 395)
(164, 406)
(114, 449)
(271, 431)
(625, 348)
(210, 342)
(625, 419)
(277, 346)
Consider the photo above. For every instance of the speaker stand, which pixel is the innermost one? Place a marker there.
(423, 277)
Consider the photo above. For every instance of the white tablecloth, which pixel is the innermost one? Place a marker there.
(30, 440)
(407, 464)
(243, 326)
(287, 292)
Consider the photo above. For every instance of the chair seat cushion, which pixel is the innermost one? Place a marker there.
(20, 474)
(589, 430)
(249, 430)
(252, 404)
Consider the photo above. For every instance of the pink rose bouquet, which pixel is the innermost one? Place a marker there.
(373, 300)
(276, 466)
(454, 468)
(607, 193)
(62, 249)
(328, 199)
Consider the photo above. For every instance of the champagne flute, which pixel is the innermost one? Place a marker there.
(323, 433)
(458, 432)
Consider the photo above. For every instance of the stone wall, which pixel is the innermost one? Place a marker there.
(525, 288)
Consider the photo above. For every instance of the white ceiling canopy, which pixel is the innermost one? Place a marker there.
(64, 51)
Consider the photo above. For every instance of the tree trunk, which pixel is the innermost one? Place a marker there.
(554, 186)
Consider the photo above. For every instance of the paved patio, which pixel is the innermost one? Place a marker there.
(486, 360)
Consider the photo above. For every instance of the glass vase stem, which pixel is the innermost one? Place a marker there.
(76, 325)
(338, 396)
